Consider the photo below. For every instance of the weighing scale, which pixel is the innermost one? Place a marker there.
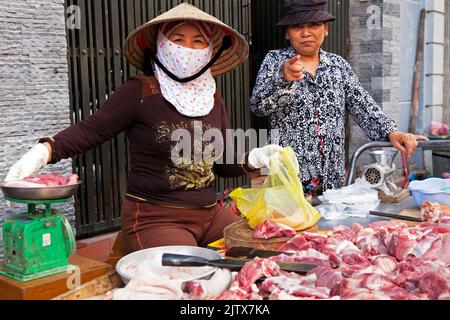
(39, 242)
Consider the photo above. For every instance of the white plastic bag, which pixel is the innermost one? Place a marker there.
(356, 200)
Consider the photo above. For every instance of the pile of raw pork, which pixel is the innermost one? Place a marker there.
(382, 261)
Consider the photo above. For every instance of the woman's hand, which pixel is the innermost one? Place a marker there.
(405, 142)
(293, 69)
(260, 158)
(34, 160)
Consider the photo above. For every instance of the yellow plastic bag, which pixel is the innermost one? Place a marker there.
(281, 199)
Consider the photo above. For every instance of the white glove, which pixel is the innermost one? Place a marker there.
(260, 158)
(34, 160)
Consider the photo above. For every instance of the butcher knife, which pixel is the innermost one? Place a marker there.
(175, 260)
(396, 216)
(251, 253)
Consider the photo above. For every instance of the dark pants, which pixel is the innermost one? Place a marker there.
(146, 226)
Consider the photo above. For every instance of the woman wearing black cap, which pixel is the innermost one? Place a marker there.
(306, 93)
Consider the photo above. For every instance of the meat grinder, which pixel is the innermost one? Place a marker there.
(381, 174)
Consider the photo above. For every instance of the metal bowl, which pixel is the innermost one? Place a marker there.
(152, 259)
(39, 194)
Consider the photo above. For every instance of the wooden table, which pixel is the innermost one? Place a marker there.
(52, 286)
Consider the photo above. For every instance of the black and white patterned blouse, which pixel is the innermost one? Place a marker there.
(310, 114)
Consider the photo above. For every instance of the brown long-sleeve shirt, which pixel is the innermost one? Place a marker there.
(139, 109)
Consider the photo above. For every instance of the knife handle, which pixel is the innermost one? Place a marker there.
(176, 260)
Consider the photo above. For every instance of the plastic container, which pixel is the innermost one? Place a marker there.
(434, 190)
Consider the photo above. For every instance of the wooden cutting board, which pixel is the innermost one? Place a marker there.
(239, 234)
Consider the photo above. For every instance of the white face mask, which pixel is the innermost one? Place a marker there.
(192, 99)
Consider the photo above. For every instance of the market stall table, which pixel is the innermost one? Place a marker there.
(52, 286)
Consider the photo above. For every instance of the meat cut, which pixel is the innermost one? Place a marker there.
(270, 229)
(44, 181)
(435, 212)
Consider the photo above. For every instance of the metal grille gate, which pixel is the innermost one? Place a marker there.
(97, 67)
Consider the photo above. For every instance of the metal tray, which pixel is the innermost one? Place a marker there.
(40, 194)
(151, 259)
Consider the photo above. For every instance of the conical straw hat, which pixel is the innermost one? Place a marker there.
(146, 35)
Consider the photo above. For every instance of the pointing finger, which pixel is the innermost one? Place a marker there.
(295, 59)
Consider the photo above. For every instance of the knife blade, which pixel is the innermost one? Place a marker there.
(251, 253)
(396, 216)
(175, 260)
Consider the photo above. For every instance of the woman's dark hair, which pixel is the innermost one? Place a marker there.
(147, 66)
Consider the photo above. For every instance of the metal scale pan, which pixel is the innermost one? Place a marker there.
(40, 194)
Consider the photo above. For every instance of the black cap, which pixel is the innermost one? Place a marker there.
(304, 11)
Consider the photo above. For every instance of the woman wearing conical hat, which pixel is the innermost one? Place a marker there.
(171, 195)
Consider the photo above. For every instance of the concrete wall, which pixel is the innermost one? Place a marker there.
(34, 93)
(374, 54)
(447, 63)
(434, 61)
(432, 78)
(410, 15)
(433, 100)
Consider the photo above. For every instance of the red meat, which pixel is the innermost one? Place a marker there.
(255, 270)
(270, 229)
(326, 277)
(433, 285)
(53, 180)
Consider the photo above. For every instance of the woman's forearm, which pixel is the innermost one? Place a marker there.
(49, 148)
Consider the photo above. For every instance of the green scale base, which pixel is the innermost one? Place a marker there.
(25, 278)
(25, 233)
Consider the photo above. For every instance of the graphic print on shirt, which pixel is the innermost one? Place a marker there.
(191, 173)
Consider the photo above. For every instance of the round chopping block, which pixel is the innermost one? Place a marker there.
(239, 234)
